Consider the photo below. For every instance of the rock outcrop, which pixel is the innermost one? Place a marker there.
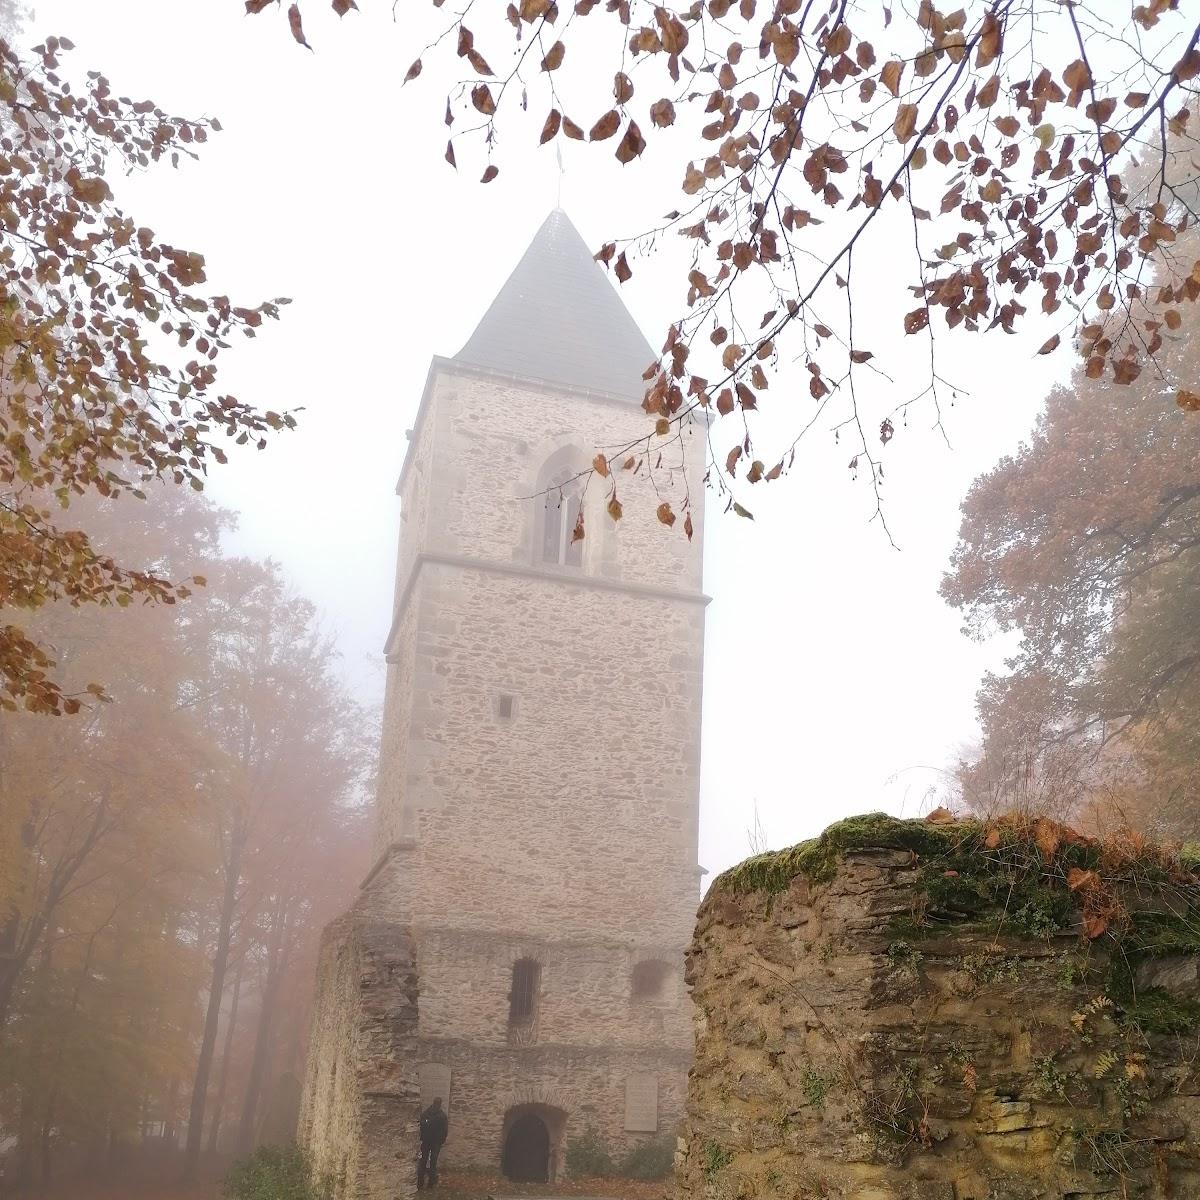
(913, 1010)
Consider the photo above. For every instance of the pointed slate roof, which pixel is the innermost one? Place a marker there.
(559, 320)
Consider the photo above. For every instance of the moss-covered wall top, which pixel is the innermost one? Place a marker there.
(943, 1010)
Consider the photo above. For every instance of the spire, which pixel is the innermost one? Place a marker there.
(558, 320)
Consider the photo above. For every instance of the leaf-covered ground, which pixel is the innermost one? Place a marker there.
(464, 1186)
(454, 1187)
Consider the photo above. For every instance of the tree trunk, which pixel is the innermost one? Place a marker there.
(214, 1133)
(262, 1039)
(208, 1042)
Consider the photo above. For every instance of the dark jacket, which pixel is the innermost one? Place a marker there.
(434, 1126)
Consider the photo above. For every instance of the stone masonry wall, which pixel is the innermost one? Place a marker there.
(358, 1121)
(584, 1087)
(582, 650)
(577, 815)
(903, 1011)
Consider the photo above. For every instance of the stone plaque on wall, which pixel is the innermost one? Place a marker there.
(641, 1104)
(435, 1081)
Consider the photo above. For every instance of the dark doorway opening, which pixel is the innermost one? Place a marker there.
(526, 1157)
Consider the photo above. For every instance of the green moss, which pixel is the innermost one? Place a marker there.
(817, 859)
(716, 1159)
(1009, 887)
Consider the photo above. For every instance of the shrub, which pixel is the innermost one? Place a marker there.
(588, 1156)
(273, 1173)
(652, 1159)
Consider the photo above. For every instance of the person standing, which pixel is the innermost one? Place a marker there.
(433, 1128)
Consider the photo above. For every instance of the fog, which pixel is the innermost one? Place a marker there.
(835, 680)
(224, 966)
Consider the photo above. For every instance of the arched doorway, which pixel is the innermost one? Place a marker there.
(527, 1150)
(528, 1153)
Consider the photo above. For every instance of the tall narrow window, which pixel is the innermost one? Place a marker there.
(563, 500)
(522, 1000)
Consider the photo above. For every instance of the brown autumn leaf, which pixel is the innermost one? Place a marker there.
(256, 6)
(572, 130)
(990, 41)
(413, 71)
(600, 466)
(1050, 345)
(1190, 401)
(577, 533)
(1094, 925)
(1079, 880)
(1047, 837)
(613, 506)
(916, 320)
(687, 526)
(296, 26)
(483, 100)
(450, 155)
(905, 124)
(662, 113)
(342, 7)
(622, 88)
(605, 127)
(554, 57)
(632, 144)
(742, 512)
(891, 74)
(1077, 76)
(551, 127)
(991, 839)
(665, 515)
(489, 174)
(940, 816)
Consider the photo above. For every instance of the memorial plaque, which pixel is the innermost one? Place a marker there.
(641, 1104)
(435, 1081)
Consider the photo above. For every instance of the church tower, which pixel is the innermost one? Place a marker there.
(518, 947)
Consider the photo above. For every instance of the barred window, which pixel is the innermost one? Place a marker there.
(522, 1000)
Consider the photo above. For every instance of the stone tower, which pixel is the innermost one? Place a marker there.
(518, 947)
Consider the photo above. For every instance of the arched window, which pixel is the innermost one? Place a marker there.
(650, 979)
(563, 498)
(522, 999)
(559, 504)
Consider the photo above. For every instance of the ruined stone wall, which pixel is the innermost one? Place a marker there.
(903, 1011)
(579, 1088)
(358, 1120)
(585, 996)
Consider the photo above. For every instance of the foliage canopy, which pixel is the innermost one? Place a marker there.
(997, 140)
(108, 350)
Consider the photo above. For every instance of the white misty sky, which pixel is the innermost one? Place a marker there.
(835, 678)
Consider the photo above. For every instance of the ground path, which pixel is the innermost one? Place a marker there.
(453, 1187)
